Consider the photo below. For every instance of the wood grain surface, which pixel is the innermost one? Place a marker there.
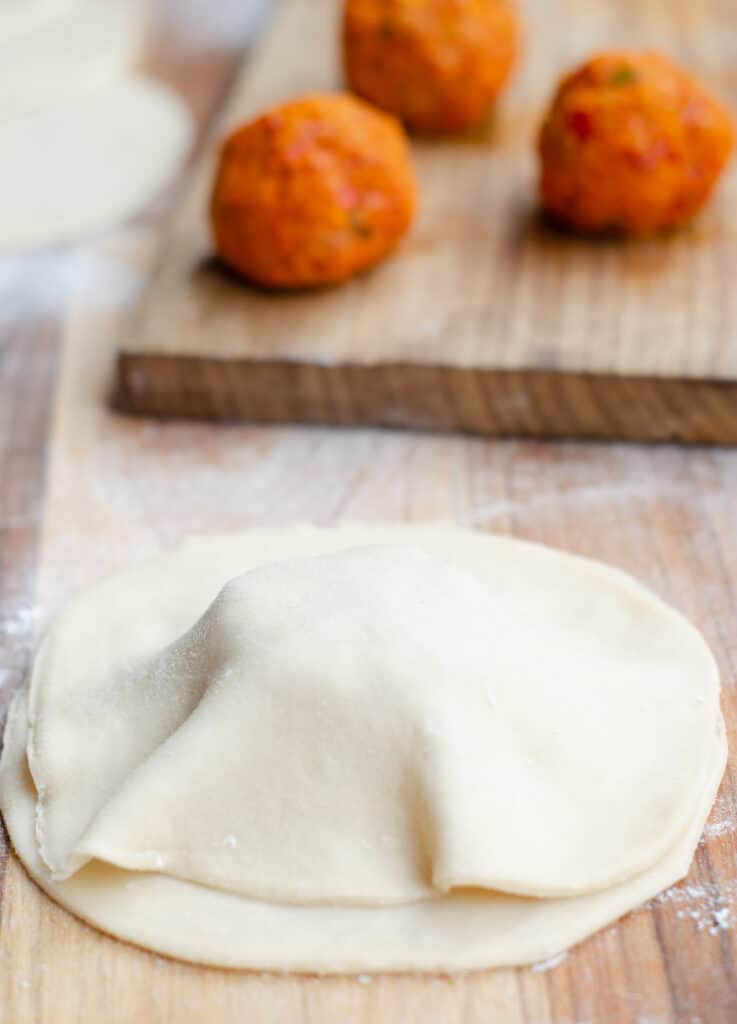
(122, 489)
(119, 489)
(486, 321)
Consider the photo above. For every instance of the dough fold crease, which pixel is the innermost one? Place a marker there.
(418, 725)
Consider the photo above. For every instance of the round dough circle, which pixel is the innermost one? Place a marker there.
(21, 16)
(76, 49)
(607, 623)
(77, 169)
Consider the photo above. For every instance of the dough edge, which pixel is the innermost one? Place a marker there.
(460, 932)
(202, 926)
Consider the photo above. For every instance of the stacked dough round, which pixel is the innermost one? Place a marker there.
(83, 142)
(362, 749)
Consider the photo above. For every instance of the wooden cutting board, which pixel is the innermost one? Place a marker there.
(485, 321)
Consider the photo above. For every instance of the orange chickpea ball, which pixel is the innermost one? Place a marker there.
(312, 192)
(437, 64)
(631, 144)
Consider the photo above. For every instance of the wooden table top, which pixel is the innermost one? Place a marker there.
(83, 491)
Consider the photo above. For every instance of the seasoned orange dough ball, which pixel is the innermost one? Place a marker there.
(312, 192)
(437, 64)
(631, 144)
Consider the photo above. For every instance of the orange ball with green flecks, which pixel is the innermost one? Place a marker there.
(312, 192)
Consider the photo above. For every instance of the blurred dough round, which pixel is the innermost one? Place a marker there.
(79, 168)
(83, 47)
(20, 16)
(362, 751)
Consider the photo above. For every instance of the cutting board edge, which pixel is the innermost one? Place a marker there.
(473, 400)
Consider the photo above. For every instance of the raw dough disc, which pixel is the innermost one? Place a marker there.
(20, 16)
(457, 932)
(456, 722)
(79, 48)
(595, 608)
(77, 169)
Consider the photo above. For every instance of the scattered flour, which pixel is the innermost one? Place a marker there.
(720, 828)
(710, 907)
(46, 282)
(591, 495)
(21, 624)
(431, 327)
(551, 963)
(18, 631)
(723, 820)
(200, 23)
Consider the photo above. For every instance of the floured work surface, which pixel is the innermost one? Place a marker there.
(485, 320)
(120, 490)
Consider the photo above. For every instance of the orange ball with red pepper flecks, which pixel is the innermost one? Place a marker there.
(632, 144)
(437, 64)
(312, 192)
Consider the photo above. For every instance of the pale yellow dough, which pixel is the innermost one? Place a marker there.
(399, 748)
(19, 17)
(67, 49)
(77, 168)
